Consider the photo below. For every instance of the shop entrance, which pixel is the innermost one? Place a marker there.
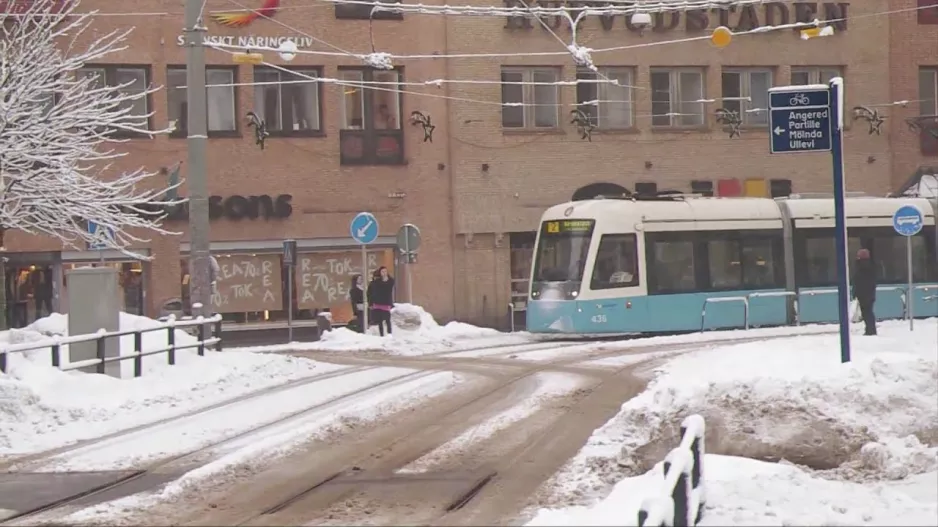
(30, 287)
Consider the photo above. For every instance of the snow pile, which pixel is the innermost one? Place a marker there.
(748, 492)
(56, 325)
(791, 400)
(415, 332)
(42, 407)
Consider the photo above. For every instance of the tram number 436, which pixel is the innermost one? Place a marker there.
(598, 319)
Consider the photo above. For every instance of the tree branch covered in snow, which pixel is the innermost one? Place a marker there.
(59, 129)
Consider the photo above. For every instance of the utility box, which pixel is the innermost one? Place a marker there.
(93, 304)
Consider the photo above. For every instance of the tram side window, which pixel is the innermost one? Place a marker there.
(615, 262)
(889, 258)
(820, 259)
(673, 265)
(746, 262)
(726, 270)
(758, 257)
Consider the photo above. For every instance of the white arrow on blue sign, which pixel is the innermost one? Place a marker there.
(102, 236)
(908, 220)
(364, 228)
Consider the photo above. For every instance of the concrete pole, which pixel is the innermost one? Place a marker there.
(199, 236)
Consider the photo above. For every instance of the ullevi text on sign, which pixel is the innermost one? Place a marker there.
(800, 119)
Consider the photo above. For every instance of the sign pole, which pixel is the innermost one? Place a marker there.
(911, 296)
(367, 282)
(410, 288)
(290, 303)
(840, 220)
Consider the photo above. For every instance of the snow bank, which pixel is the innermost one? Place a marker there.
(42, 407)
(871, 419)
(747, 492)
(415, 332)
(854, 443)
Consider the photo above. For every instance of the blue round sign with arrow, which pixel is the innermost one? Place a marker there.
(908, 220)
(364, 228)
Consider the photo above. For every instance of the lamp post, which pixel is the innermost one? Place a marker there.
(199, 236)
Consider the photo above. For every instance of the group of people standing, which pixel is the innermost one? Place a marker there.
(380, 294)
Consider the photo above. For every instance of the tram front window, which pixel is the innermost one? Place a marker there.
(561, 258)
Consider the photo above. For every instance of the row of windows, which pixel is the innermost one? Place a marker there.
(291, 105)
(725, 261)
(678, 97)
(714, 261)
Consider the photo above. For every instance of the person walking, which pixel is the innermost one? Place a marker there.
(381, 298)
(864, 289)
(357, 296)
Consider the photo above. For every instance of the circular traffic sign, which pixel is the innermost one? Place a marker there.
(408, 238)
(364, 228)
(908, 220)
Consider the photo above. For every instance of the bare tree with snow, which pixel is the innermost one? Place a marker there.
(60, 130)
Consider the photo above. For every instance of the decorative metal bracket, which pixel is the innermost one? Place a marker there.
(731, 121)
(418, 118)
(584, 126)
(871, 116)
(924, 123)
(260, 129)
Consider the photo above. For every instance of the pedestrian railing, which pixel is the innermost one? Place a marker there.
(681, 499)
(746, 301)
(208, 336)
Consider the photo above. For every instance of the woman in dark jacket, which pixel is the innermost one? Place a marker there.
(357, 297)
(381, 298)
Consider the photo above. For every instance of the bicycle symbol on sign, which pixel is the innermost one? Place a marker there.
(800, 100)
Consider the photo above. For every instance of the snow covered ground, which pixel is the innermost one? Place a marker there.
(415, 332)
(863, 434)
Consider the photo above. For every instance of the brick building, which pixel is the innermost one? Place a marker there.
(477, 190)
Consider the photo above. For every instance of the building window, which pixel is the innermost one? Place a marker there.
(702, 187)
(606, 104)
(927, 12)
(646, 188)
(371, 117)
(746, 92)
(365, 11)
(616, 262)
(135, 78)
(289, 104)
(530, 98)
(928, 110)
(814, 75)
(220, 101)
(677, 97)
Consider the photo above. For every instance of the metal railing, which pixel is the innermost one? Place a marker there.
(722, 299)
(904, 298)
(101, 360)
(681, 501)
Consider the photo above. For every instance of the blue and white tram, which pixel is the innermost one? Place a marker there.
(673, 264)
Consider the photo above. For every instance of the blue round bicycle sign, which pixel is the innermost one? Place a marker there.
(908, 220)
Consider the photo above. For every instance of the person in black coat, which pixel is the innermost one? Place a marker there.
(381, 298)
(864, 289)
(357, 297)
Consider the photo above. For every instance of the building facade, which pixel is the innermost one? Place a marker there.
(477, 189)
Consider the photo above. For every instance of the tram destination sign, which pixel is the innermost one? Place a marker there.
(559, 226)
(800, 119)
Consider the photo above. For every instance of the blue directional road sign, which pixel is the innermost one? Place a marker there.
(908, 220)
(799, 119)
(364, 228)
(101, 236)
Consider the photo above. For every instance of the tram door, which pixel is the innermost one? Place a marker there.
(522, 258)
